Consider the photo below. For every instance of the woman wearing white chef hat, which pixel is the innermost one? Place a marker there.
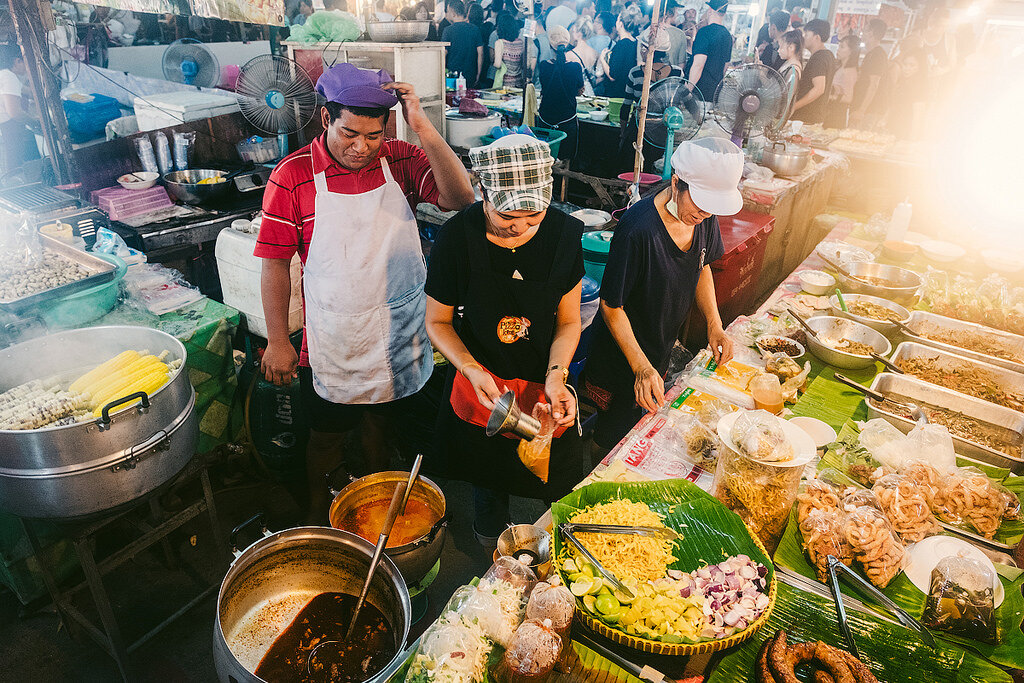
(658, 266)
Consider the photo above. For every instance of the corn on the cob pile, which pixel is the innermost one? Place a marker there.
(40, 403)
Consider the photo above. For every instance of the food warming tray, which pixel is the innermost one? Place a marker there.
(100, 271)
(1004, 379)
(1015, 342)
(920, 392)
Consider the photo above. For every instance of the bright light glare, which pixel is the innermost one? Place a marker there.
(974, 10)
(754, 9)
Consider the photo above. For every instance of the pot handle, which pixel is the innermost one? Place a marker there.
(780, 144)
(142, 396)
(434, 531)
(329, 477)
(260, 518)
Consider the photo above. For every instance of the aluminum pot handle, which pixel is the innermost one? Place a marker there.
(141, 395)
(432, 534)
(260, 518)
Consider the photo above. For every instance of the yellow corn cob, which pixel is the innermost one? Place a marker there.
(123, 386)
(103, 369)
(117, 377)
(148, 384)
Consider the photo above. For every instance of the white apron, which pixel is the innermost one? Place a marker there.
(365, 305)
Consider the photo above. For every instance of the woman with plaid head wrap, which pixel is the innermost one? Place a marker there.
(511, 267)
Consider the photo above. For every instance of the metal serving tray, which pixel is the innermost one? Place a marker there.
(100, 271)
(1007, 380)
(921, 392)
(1015, 342)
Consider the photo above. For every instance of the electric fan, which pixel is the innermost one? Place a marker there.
(190, 62)
(750, 100)
(276, 95)
(674, 114)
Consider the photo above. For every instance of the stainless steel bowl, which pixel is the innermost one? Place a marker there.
(903, 285)
(831, 329)
(786, 160)
(184, 185)
(411, 31)
(887, 328)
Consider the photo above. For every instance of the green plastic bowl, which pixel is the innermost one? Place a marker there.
(83, 307)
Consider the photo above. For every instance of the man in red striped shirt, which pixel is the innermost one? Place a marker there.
(345, 204)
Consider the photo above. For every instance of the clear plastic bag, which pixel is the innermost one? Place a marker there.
(485, 608)
(163, 153)
(814, 495)
(513, 572)
(184, 143)
(906, 506)
(968, 496)
(822, 534)
(533, 653)
(886, 444)
(147, 156)
(758, 435)
(961, 599)
(933, 444)
(860, 498)
(875, 545)
(554, 603)
(928, 480)
(536, 453)
(452, 648)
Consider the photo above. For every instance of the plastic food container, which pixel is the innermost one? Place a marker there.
(817, 282)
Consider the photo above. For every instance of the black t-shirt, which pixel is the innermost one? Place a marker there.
(715, 41)
(875, 63)
(821, 63)
(462, 57)
(655, 282)
(559, 85)
(769, 52)
(623, 57)
(450, 266)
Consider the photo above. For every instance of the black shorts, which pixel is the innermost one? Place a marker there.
(617, 412)
(335, 418)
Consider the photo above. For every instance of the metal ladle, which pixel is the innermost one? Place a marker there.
(915, 410)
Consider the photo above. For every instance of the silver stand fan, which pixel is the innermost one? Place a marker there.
(750, 100)
(276, 95)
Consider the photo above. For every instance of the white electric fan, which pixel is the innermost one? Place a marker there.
(674, 114)
(750, 100)
(190, 62)
(276, 95)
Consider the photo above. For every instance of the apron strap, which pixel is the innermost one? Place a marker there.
(388, 178)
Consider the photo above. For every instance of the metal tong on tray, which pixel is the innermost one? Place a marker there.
(834, 567)
(656, 532)
(566, 531)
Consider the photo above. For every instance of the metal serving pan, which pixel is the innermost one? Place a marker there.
(920, 392)
(100, 271)
(1004, 379)
(1014, 342)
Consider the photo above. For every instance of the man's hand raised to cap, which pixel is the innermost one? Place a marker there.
(411, 107)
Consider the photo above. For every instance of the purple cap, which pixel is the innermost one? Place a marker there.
(348, 84)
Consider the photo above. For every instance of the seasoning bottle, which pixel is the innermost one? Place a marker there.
(767, 393)
(900, 222)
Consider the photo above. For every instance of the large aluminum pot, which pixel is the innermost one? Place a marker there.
(416, 559)
(274, 578)
(786, 159)
(89, 467)
(902, 285)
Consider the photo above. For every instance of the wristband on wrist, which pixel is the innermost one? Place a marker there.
(561, 368)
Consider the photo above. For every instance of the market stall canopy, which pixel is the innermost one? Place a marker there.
(267, 12)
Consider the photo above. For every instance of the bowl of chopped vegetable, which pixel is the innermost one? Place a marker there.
(875, 312)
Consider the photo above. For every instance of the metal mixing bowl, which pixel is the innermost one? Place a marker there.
(902, 287)
(184, 185)
(412, 31)
(886, 328)
(828, 328)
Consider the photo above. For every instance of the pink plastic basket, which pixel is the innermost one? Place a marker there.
(119, 203)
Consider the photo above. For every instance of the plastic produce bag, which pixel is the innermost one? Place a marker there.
(933, 444)
(906, 506)
(758, 435)
(815, 495)
(886, 444)
(163, 153)
(536, 454)
(484, 607)
(534, 651)
(875, 545)
(327, 27)
(928, 480)
(961, 599)
(556, 604)
(453, 648)
(513, 572)
(860, 498)
(147, 156)
(822, 535)
(968, 496)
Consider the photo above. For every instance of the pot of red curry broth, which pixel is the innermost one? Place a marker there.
(418, 535)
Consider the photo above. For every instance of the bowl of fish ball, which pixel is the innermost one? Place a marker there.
(284, 608)
(885, 282)
(844, 343)
(197, 185)
(418, 535)
(528, 544)
(875, 312)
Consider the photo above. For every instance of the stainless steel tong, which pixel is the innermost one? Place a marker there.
(834, 568)
(655, 532)
(566, 532)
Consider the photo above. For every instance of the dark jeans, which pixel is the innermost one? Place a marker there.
(492, 514)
